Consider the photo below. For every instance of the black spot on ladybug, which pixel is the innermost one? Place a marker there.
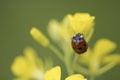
(79, 48)
(84, 44)
(79, 44)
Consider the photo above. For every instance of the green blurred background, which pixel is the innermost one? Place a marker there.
(18, 16)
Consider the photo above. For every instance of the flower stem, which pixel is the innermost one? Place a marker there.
(106, 68)
(77, 67)
(65, 60)
(75, 59)
(56, 52)
(68, 67)
(92, 77)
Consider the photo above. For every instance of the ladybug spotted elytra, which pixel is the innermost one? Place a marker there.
(79, 44)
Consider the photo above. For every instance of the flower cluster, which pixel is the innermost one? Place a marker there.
(29, 67)
(94, 62)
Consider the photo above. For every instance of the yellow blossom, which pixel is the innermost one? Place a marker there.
(55, 74)
(81, 22)
(99, 59)
(111, 58)
(103, 47)
(76, 77)
(28, 66)
(39, 37)
(54, 30)
(58, 31)
(71, 24)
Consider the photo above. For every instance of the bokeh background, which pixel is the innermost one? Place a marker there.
(18, 16)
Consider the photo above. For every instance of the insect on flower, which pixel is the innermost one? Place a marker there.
(79, 44)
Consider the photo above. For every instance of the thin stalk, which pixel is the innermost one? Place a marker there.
(56, 52)
(106, 68)
(68, 67)
(81, 69)
(92, 77)
(65, 59)
(68, 62)
(75, 59)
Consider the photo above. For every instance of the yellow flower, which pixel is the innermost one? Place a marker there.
(28, 66)
(81, 22)
(71, 24)
(76, 77)
(55, 74)
(103, 47)
(99, 60)
(39, 37)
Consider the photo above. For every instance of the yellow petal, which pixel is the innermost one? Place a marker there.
(53, 74)
(64, 32)
(111, 58)
(35, 64)
(81, 22)
(76, 77)
(88, 34)
(54, 30)
(58, 31)
(39, 37)
(30, 55)
(103, 47)
(27, 66)
(32, 59)
(19, 66)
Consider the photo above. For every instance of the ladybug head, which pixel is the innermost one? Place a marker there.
(78, 36)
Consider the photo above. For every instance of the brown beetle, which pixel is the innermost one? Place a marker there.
(79, 44)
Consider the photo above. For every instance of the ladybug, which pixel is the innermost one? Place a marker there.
(79, 44)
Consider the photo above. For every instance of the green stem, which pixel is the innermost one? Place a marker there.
(81, 69)
(68, 62)
(56, 52)
(75, 59)
(65, 59)
(68, 67)
(92, 77)
(77, 67)
(106, 68)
